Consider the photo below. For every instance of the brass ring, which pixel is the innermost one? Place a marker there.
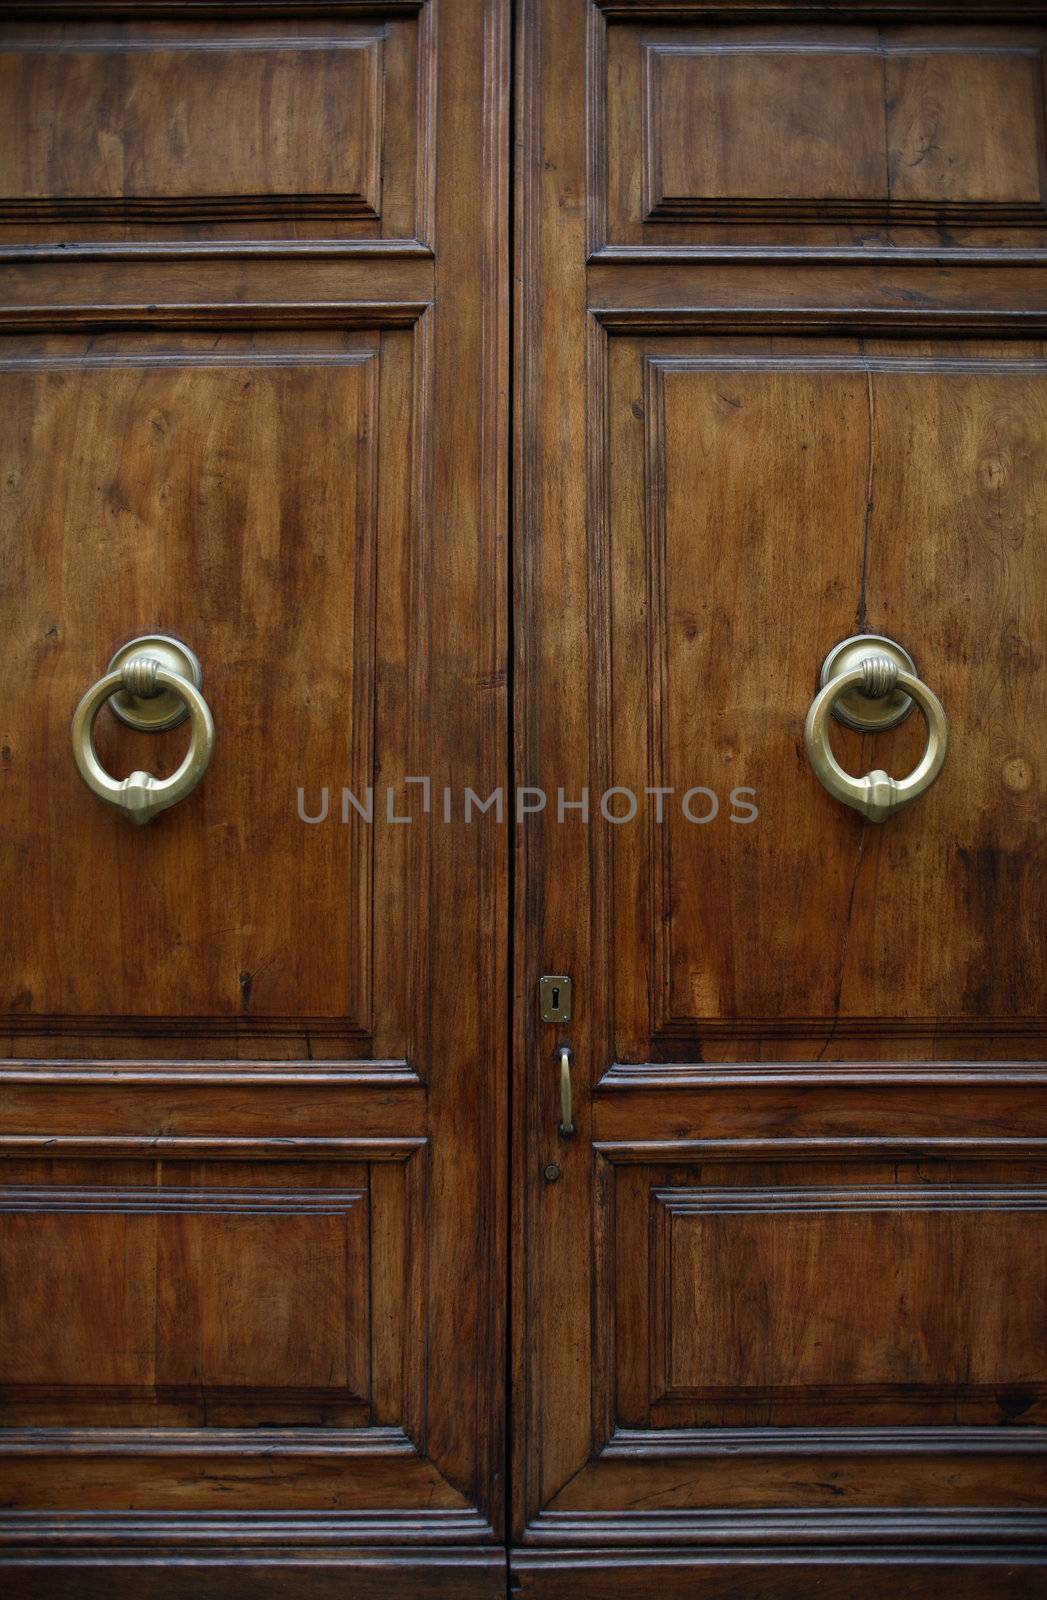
(141, 797)
(876, 795)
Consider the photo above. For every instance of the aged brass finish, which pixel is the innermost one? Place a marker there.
(868, 713)
(143, 678)
(554, 998)
(874, 675)
(566, 1129)
(165, 709)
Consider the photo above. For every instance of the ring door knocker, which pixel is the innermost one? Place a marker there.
(870, 683)
(153, 683)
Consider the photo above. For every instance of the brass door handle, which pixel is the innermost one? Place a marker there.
(870, 683)
(154, 683)
(564, 1056)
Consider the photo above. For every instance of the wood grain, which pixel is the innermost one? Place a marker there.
(778, 370)
(192, 122)
(752, 1576)
(251, 1120)
(224, 128)
(778, 375)
(184, 529)
(798, 133)
(841, 129)
(191, 1292)
(826, 520)
(754, 1294)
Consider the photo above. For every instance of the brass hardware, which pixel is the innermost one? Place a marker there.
(566, 1129)
(143, 677)
(554, 998)
(871, 672)
(875, 711)
(159, 709)
(551, 1172)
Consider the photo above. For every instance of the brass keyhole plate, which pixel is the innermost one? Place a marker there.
(554, 997)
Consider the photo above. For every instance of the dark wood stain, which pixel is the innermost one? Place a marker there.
(777, 373)
(253, 391)
(778, 365)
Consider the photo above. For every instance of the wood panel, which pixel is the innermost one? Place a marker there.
(763, 487)
(254, 127)
(214, 519)
(693, 1279)
(816, 135)
(130, 1297)
(272, 1284)
(754, 1295)
(729, 1298)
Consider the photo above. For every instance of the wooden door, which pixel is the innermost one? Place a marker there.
(781, 379)
(253, 280)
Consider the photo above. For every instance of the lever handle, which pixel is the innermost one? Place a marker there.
(565, 1057)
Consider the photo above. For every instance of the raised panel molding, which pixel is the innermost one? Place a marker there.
(780, 131)
(436, 1553)
(198, 1110)
(189, 383)
(872, 141)
(764, 1554)
(223, 129)
(654, 571)
(695, 1443)
(278, 1282)
(898, 1075)
(699, 1329)
(214, 1074)
(154, 1302)
(155, 1201)
(792, 1112)
(788, 1528)
(298, 1292)
(673, 1430)
(186, 175)
(748, 1302)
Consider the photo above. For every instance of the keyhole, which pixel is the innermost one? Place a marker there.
(556, 999)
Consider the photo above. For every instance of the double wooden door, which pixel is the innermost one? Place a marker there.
(284, 1128)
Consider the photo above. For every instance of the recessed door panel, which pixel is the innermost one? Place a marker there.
(183, 487)
(758, 501)
(764, 129)
(210, 127)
